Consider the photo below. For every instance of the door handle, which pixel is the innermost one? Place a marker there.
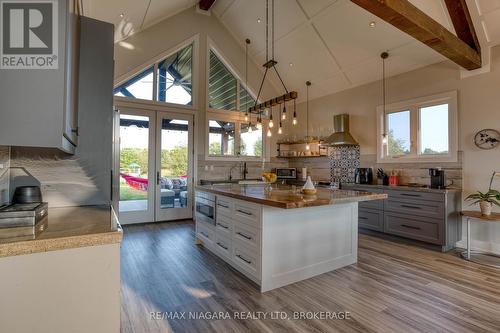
(244, 236)
(410, 227)
(412, 207)
(157, 177)
(221, 245)
(363, 218)
(222, 225)
(244, 212)
(410, 195)
(223, 205)
(247, 261)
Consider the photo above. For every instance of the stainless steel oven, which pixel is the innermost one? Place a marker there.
(205, 207)
(286, 173)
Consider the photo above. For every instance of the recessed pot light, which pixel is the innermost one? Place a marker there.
(290, 64)
(122, 15)
(372, 24)
(258, 20)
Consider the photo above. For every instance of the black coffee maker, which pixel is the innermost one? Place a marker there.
(437, 178)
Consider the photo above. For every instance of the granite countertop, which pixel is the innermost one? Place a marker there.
(284, 196)
(408, 188)
(68, 227)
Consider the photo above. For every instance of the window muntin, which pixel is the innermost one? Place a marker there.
(140, 86)
(174, 77)
(250, 141)
(221, 138)
(398, 130)
(434, 130)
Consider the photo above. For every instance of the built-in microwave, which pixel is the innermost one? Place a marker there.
(205, 207)
(286, 173)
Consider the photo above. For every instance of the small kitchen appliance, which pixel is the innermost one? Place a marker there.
(363, 176)
(286, 173)
(20, 220)
(438, 179)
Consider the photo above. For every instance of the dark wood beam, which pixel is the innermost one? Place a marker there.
(408, 18)
(274, 101)
(462, 22)
(206, 4)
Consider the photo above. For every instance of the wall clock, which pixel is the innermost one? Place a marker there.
(487, 139)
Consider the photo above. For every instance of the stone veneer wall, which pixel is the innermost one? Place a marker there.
(4, 174)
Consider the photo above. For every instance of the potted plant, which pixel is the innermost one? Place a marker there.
(485, 200)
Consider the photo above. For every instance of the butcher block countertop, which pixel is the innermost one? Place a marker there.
(67, 228)
(288, 197)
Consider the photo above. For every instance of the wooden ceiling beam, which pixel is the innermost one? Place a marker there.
(411, 20)
(462, 22)
(206, 4)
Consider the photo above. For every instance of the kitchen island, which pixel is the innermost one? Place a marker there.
(277, 236)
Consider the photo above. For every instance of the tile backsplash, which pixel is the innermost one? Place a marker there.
(344, 160)
(4, 174)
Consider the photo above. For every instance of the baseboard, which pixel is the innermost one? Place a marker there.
(483, 246)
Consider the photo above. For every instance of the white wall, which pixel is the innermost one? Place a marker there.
(479, 108)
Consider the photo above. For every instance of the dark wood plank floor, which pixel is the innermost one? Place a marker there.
(393, 288)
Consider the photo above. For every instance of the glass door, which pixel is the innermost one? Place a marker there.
(136, 166)
(174, 166)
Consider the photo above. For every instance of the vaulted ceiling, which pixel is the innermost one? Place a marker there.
(329, 42)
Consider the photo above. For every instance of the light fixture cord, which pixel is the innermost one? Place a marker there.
(383, 96)
(307, 109)
(247, 41)
(272, 40)
(267, 30)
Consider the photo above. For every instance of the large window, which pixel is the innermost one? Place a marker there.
(225, 90)
(423, 129)
(234, 138)
(170, 80)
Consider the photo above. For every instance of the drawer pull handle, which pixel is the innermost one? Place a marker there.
(410, 227)
(244, 212)
(222, 245)
(204, 234)
(410, 195)
(222, 225)
(363, 218)
(221, 205)
(412, 207)
(245, 236)
(247, 261)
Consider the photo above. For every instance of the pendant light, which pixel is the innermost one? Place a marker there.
(308, 84)
(247, 42)
(294, 121)
(283, 114)
(269, 133)
(271, 123)
(259, 120)
(385, 139)
(280, 129)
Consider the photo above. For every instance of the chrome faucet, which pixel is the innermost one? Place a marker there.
(231, 171)
(245, 170)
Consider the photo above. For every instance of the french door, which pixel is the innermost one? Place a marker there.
(155, 166)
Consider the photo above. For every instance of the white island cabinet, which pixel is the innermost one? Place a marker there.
(276, 246)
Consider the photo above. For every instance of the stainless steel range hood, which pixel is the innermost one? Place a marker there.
(341, 135)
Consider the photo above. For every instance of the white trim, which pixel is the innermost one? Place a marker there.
(413, 105)
(195, 41)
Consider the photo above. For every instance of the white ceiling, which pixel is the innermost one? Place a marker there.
(328, 42)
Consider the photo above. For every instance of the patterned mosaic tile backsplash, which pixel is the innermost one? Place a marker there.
(343, 163)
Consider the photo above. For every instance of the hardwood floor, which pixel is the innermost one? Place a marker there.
(393, 288)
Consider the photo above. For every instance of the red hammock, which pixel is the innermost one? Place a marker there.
(138, 183)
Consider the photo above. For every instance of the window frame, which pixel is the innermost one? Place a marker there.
(154, 63)
(414, 106)
(237, 120)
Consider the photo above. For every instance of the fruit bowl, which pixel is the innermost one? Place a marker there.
(269, 177)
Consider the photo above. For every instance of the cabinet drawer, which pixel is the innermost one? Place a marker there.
(374, 204)
(434, 209)
(224, 225)
(223, 246)
(250, 236)
(246, 259)
(397, 194)
(371, 219)
(247, 213)
(422, 229)
(205, 233)
(224, 206)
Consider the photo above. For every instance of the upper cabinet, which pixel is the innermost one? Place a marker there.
(40, 104)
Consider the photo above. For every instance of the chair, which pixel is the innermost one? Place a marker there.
(167, 198)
